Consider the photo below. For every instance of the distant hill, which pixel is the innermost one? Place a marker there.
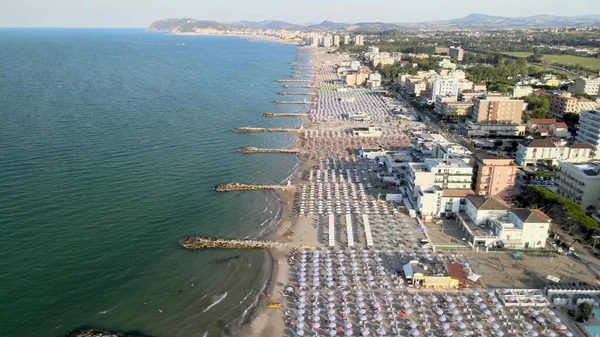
(470, 22)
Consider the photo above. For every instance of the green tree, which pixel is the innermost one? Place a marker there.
(584, 311)
(498, 143)
(571, 119)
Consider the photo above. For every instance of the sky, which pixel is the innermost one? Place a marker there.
(141, 13)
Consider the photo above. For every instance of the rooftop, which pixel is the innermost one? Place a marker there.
(579, 145)
(560, 125)
(589, 169)
(456, 192)
(544, 142)
(492, 203)
(542, 121)
(531, 215)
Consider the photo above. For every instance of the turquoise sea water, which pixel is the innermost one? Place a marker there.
(110, 144)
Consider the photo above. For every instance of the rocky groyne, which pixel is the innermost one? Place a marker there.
(101, 333)
(233, 186)
(252, 149)
(273, 114)
(283, 93)
(200, 242)
(292, 102)
(249, 129)
(298, 86)
(294, 80)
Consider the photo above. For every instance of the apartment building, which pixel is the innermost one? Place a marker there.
(541, 151)
(336, 40)
(588, 131)
(444, 173)
(433, 201)
(444, 86)
(493, 175)
(563, 103)
(450, 109)
(456, 52)
(580, 183)
(521, 91)
(586, 85)
(498, 110)
(359, 40)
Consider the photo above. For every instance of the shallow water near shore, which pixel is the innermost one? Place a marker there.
(110, 145)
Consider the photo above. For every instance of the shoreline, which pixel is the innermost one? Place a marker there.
(261, 320)
(249, 37)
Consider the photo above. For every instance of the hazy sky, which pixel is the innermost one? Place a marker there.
(140, 13)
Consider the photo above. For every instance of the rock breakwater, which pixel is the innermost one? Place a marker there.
(252, 149)
(233, 186)
(200, 242)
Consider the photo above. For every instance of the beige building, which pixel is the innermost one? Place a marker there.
(565, 103)
(416, 86)
(580, 183)
(540, 125)
(521, 91)
(356, 79)
(501, 110)
(493, 175)
(456, 52)
(586, 85)
(449, 108)
(444, 173)
(541, 151)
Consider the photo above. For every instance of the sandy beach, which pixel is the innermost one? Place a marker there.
(252, 38)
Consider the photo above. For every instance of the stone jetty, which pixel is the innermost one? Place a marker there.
(283, 93)
(200, 242)
(298, 86)
(273, 114)
(252, 149)
(100, 333)
(294, 80)
(249, 129)
(233, 186)
(292, 102)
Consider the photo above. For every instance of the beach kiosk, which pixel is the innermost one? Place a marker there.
(428, 275)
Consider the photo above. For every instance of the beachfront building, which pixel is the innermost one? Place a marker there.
(432, 201)
(428, 275)
(443, 173)
(540, 125)
(346, 40)
(564, 103)
(548, 150)
(588, 131)
(580, 183)
(493, 175)
(367, 131)
(489, 222)
(450, 109)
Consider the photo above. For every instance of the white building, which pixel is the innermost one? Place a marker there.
(489, 222)
(346, 39)
(444, 86)
(540, 151)
(327, 41)
(374, 81)
(444, 173)
(588, 130)
(367, 131)
(355, 65)
(446, 64)
(359, 40)
(580, 183)
(336, 40)
(432, 201)
(586, 85)
(372, 49)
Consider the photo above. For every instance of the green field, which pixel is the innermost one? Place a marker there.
(587, 62)
(517, 53)
(590, 63)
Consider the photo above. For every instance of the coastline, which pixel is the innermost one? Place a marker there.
(249, 37)
(261, 320)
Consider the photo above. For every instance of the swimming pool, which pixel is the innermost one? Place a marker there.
(593, 330)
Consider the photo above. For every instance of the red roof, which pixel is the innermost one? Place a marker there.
(560, 125)
(542, 121)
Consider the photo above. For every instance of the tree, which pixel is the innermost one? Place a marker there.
(571, 119)
(498, 143)
(584, 312)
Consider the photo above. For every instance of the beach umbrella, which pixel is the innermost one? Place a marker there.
(458, 318)
(555, 319)
(455, 312)
(497, 306)
(331, 318)
(331, 325)
(316, 325)
(376, 304)
(452, 305)
(551, 333)
(465, 332)
(534, 334)
(539, 319)
(568, 334)
(412, 325)
(300, 332)
(439, 311)
(562, 327)
(331, 312)
(495, 326)
(301, 305)
(491, 318)
(482, 306)
(378, 318)
(434, 299)
(499, 333)
(487, 312)
(300, 318)
(364, 332)
(528, 326)
(359, 292)
(348, 333)
(414, 332)
(462, 325)
(478, 326)
(361, 304)
(300, 325)
(445, 326)
(332, 332)
(289, 289)
(301, 312)
(443, 318)
(449, 333)
(550, 313)
(463, 299)
(362, 318)
(315, 318)
(475, 293)
(346, 311)
(362, 311)
(348, 325)
(381, 331)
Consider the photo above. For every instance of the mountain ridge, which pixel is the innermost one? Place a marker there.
(473, 21)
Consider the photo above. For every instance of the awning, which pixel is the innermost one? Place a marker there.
(408, 272)
(474, 277)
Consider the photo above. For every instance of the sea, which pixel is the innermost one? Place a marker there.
(111, 141)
